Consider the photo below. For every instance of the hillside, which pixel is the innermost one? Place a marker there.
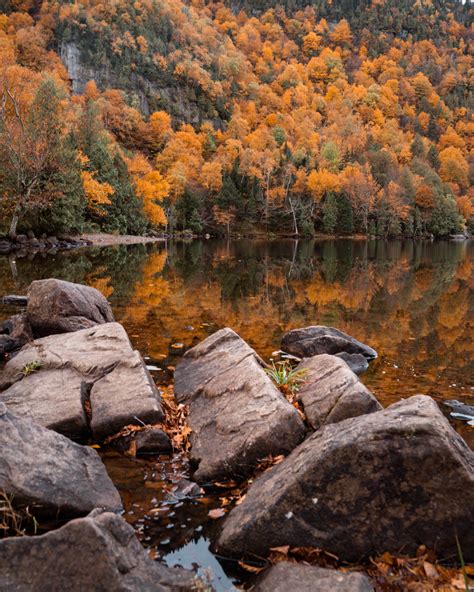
(215, 117)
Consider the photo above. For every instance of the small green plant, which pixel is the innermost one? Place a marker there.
(14, 522)
(287, 378)
(31, 367)
(463, 565)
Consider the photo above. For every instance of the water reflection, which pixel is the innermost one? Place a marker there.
(412, 301)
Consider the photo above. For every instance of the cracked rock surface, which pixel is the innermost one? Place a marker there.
(386, 481)
(236, 413)
(331, 392)
(54, 379)
(99, 553)
(49, 473)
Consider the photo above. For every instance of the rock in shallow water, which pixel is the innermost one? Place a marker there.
(356, 362)
(56, 306)
(387, 481)
(49, 473)
(331, 392)
(49, 380)
(297, 577)
(236, 413)
(98, 553)
(315, 340)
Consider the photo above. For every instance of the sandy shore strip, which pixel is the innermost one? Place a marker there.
(104, 240)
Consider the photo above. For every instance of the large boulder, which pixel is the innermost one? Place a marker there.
(331, 392)
(315, 340)
(56, 306)
(236, 413)
(76, 382)
(387, 481)
(49, 473)
(300, 577)
(99, 553)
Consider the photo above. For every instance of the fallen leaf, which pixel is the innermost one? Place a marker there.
(430, 569)
(216, 513)
(251, 568)
(283, 549)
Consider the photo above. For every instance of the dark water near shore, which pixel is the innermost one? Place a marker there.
(412, 302)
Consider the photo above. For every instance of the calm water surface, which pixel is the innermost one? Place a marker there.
(412, 302)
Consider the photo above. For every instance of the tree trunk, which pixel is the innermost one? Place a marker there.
(294, 216)
(14, 224)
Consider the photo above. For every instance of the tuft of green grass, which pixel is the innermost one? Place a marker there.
(287, 378)
(31, 367)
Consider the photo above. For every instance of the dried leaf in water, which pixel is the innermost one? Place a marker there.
(251, 568)
(216, 513)
(284, 550)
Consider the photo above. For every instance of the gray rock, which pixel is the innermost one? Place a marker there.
(14, 300)
(356, 362)
(15, 332)
(55, 306)
(318, 339)
(331, 392)
(147, 441)
(387, 481)
(236, 414)
(51, 398)
(299, 577)
(124, 394)
(99, 553)
(49, 473)
(153, 441)
(97, 364)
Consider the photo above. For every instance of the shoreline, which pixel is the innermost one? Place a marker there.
(103, 239)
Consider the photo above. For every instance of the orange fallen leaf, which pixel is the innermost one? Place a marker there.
(251, 568)
(216, 513)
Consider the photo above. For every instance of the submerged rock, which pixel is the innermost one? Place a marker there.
(299, 577)
(315, 340)
(49, 473)
(58, 380)
(55, 306)
(331, 392)
(99, 553)
(236, 413)
(356, 362)
(387, 481)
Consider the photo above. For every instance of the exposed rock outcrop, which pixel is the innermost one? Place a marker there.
(315, 340)
(54, 379)
(387, 481)
(331, 392)
(299, 577)
(99, 553)
(49, 473)
(55, 306)
(236, 413)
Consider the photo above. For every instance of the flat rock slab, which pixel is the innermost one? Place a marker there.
(50, 379)
(49, 473)
(331, 392)
(56, 306)
(318, 339)
(236, 414)
(299, 577)
(388, 481)
(98, 553)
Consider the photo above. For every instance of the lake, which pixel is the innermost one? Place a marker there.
(411, 301)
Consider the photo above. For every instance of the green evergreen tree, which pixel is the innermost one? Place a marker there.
(330, 213)
(345, 217)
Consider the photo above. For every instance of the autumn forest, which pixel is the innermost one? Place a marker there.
(340, 117)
